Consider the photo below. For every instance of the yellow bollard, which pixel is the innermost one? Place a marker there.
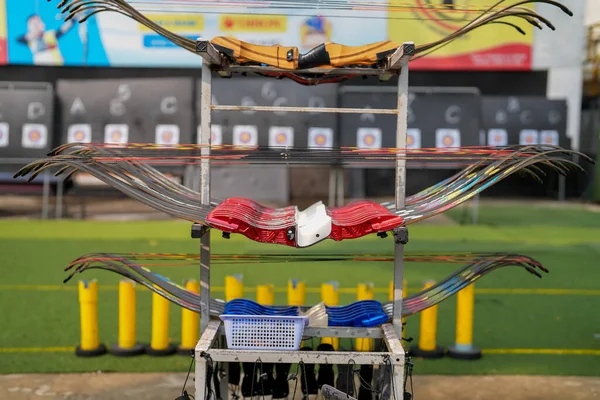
(190, 324)
(330, 294)
(364, 291)
(331, 297)
(265, 294)
(90, 345)
(234, 287)
(160, 344)
(465, 305)
(127, 345)
(296, 293)
(427, 347)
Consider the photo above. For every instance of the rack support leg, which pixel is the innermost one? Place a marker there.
(400, 234)
(205, 114)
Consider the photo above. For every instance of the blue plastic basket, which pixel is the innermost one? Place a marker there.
(264, 332)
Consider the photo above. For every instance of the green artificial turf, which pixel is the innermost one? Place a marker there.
(36, 252)
(542, 214)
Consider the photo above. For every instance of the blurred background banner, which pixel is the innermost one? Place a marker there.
(3, 49)
(37, 34)
(485, 49)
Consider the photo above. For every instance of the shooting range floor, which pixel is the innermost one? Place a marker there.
(157, 386)
(525, 325)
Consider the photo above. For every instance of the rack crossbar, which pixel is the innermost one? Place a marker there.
(339, 332)
(307, 109)
(394, 355)
(307, 357)
(332, 72)
(394, 63)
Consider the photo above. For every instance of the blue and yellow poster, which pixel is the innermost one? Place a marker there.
(3, 46)
(37, 33)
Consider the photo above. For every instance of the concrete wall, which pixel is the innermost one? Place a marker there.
(592, 12)
(561, 53)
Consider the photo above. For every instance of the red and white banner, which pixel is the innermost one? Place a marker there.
(413, 138)
(491, 48)
(4, 129)
(320, 138)
(245, 135)
(34, 136)
(528, 137)
(368, 138)
(445, 138)
(79, 133)
(167, 134)
(497, 137)
(116, 134)
(281, 136)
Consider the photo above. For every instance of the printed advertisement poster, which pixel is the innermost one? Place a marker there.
(492, 47)
(37, 33)
(3, 45)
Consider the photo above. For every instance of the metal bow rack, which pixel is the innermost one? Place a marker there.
(207, 349)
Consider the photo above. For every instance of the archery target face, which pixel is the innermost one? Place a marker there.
(4, 134)
(79, 133)
(549, 137)
(281, 136)
(413, 138)
(245, 135)
(216, 135)
(116, 133)
(34, 136)
(497, 137)
(167, 134)
(368, 138)
(445, 138)
(320, 138)
(528, 137)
